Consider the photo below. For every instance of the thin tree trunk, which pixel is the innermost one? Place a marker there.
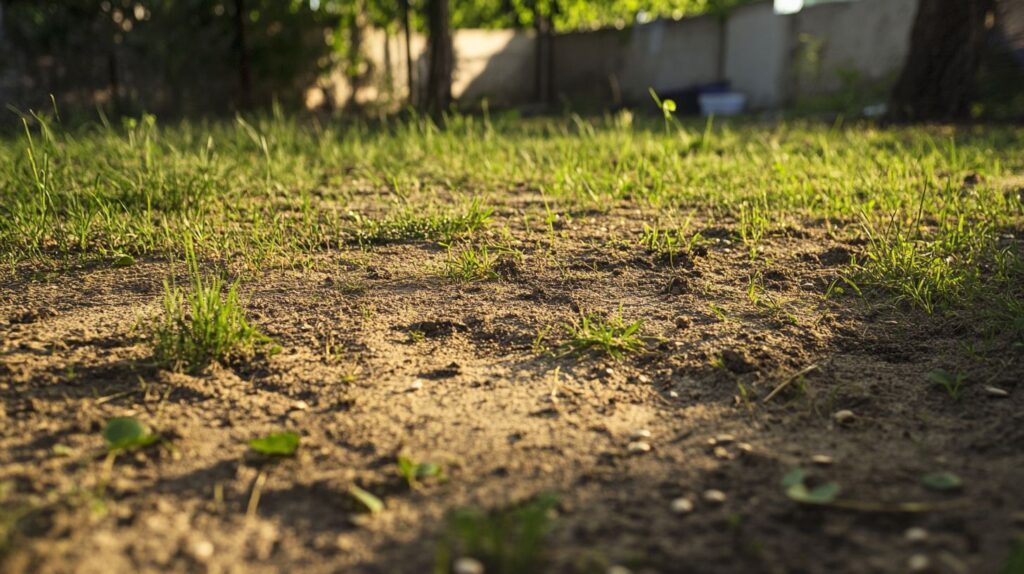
(439, 76)
(115, 81)
(354, 69)
(244, 69)
(409, 78)
(946, 45)
(542, 65)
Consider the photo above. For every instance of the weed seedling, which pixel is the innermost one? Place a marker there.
(276, 444)
(371, 503)
(127, 433)
(952, 384)
(413, 472)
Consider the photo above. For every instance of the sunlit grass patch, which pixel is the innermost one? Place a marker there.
(202, 323)
(416, 225)
(610, 335)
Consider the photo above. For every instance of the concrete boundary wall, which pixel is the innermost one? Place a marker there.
(774, 59)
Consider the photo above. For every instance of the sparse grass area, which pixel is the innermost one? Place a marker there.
(942, 229)
(408, 271)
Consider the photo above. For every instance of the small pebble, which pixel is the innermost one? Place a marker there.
(918, 563)
(673, 394)
(916, 534)
(300, 406)
(644, 379)
(822, 459)
(468, 566)
(714, 496)
(682, 322)
(996, 392)
(682, 505)
(721, 452)
(202, 550)
(416, 385)
(745, 447)
(724, 438)
(844, 417)
(639, 446)
(641, 433)
(610, 372)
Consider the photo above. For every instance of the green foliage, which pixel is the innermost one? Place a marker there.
(413, 472)
(608, 335)
(669, 244)
(194, 42)
(952, 384)
(1015, 562)
(126, 433)
(942, 481)
(507, 541)
(795, 485)
(202, 325)
(411, 225)
(371, 503)
(276, 444)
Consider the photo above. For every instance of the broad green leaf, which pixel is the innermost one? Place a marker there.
(126, 432)
(123, 261)
(371, 502)
(793, 477)
(427, 469)
(822, 494)
(276, 444)
(942, 481)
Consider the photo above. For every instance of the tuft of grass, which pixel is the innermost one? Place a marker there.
(413, 225)
(202, 324)
(506, 541)
(669, 245)
(470, 264)
(608, 335)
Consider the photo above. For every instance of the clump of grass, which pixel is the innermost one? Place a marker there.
(201, 324)
(412, 225)
(507, 541)
(469, 264)
(669, 245)
(608, 335)
(951, 265)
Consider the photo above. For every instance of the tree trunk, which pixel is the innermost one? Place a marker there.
(244, 70)
(542, 65)
(404, 5)
(938, 77)
(439, 76)
(354, 70)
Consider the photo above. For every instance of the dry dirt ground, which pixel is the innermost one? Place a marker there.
(381, 355)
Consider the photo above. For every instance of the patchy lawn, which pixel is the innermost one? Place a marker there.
(556, 345)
